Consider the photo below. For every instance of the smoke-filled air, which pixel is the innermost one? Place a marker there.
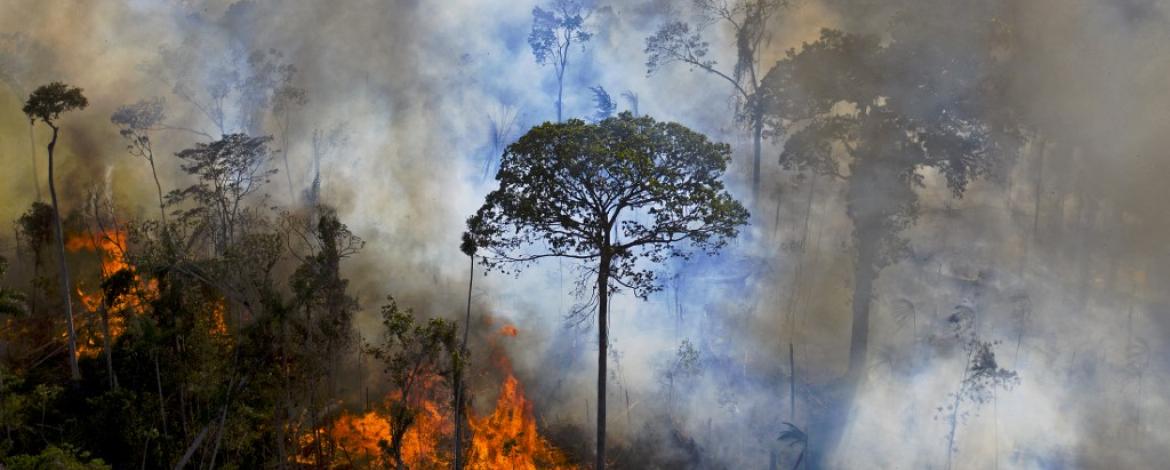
(574, 234)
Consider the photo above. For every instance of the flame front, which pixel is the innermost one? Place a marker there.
(111, 248)
(505, 439)
(508, 437)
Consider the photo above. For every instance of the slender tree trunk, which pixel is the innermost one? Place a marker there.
(162, 407)
(602, 350)
(292, 198)
(32, 145)
(162, 206)
(560, 93)
(66, 295)
(757, 138)
(954, 418)
(792, 383)
(108, 345)
(459, 373)
(191, 449)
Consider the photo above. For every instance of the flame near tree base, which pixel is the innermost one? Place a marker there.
(507, 438)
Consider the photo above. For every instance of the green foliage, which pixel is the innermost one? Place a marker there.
(47, 102)
(686, 362)
(36, 226)
(414, 355)
(11, 301)
(627, 188)
(56, 458)
(411, 350)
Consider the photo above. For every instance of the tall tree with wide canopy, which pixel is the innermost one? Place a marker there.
(875, 117)
(619, 196)
(46, 104)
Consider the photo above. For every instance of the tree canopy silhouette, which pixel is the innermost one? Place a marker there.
(619, 196)
(873, 116)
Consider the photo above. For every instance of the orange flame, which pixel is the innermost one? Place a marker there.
(111, 248)
(507, 438)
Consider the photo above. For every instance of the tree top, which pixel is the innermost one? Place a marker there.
(47, 102)
(626, 188)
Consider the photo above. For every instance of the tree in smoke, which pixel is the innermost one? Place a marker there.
(678, 42)
(285, 99)
(229, 171)
(632, 99)
(619, 196)
(553, 33)
(46, 104)
(879, 147)
(982, 375)
(236, 91)
(135, 122)
(603, 104)
(501, 125)
(683, 366)
(326, 144)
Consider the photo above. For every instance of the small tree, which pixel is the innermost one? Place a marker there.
(678, 42)
(602, 103)
(135, 122)
(46, 104)
(413, 353)
(619, 196)
(982, 375)
(553, 33)
(683, 366)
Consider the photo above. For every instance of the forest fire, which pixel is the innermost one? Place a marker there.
(110, 246)
(573, 234)
(508, 438)
(505, 438)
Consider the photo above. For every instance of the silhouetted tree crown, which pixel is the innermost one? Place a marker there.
(628, 188)
(47, 102)
(854, 117)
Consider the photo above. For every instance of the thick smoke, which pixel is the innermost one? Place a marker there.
(1074, 297)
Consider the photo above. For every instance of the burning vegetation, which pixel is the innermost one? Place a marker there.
(507, 437)
(120, 295)
(798, 235)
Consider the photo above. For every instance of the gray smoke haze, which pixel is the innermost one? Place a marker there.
(1076, 297)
